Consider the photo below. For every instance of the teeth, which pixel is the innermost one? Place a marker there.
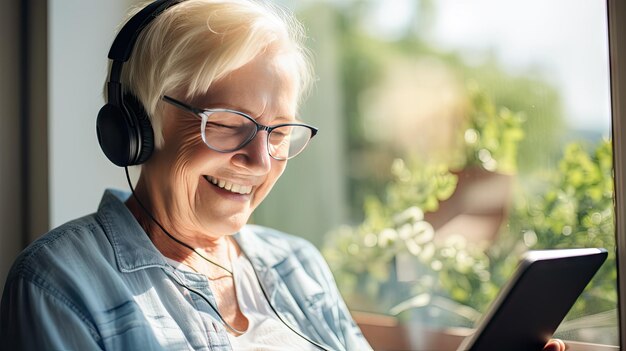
(232, 187)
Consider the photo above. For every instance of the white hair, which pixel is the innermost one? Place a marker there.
(196, 42)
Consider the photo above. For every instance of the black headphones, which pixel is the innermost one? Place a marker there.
(123, 127)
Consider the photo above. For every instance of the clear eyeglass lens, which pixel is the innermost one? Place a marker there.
(228, 131)
(288, 141)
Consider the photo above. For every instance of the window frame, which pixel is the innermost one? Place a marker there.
(616, 12)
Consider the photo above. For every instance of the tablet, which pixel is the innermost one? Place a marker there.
(533, 303)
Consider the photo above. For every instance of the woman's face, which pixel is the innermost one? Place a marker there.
(182, 174)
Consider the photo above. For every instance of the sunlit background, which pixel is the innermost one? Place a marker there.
(454, 136)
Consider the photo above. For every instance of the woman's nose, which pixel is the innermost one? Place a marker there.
(255, 155)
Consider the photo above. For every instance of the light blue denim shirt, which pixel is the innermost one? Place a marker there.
(98, 282)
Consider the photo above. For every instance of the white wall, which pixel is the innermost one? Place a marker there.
(80, 34)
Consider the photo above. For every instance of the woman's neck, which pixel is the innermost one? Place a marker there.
(209, 256)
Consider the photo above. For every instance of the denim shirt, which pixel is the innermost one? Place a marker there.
(98, 282)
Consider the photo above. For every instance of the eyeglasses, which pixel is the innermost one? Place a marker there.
(225, 130)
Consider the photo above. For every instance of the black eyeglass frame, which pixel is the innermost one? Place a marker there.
(198, 112)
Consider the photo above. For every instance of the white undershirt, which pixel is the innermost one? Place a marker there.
(265, 331)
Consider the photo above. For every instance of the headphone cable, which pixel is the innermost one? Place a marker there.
(166, 232)
(265, 295)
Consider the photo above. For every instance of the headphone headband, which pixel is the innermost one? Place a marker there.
(124, 41)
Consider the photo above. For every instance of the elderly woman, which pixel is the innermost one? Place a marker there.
(207, 103)
(215, 88)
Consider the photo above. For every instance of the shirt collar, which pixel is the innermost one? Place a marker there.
(262, 250)
(134, 250)
(131, 245)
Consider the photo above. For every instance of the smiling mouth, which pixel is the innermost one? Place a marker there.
(232, 187)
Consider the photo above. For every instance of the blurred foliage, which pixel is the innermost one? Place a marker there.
(365, 257)
(390, 189)
(493, 135)
(425, 189)
(574, 210)
(365, 59)
(543, 126)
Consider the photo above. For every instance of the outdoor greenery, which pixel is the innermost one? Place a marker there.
(365, 257)
(364, 60)
(576, 210)
(455, 275)
(509, 122)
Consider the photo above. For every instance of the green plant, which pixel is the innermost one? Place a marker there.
(492, 135)
(573, 207)
(576, 210)
(365, 258)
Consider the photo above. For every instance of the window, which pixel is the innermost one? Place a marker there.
(453, 137)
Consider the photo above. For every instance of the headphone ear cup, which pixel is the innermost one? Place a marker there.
(115, 135)
(147, 140)
(143, 129)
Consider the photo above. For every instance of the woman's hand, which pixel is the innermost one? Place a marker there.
(554, 345)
